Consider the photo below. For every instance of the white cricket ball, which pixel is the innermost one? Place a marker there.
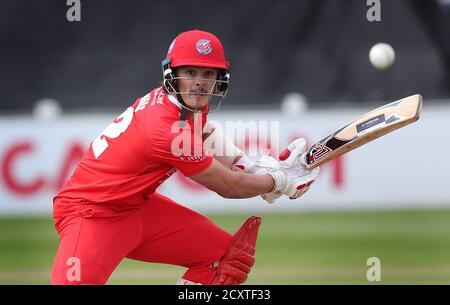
(382, 56)
(294, 103)
(47, 109)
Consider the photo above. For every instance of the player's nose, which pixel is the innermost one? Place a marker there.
(200, 83)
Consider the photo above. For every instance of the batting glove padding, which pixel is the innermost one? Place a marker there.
(261, 167)
(294, 182)
(292, 178)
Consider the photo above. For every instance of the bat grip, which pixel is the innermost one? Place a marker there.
(303, 162)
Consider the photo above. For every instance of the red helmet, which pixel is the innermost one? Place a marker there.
(201, 49)
(197, 48)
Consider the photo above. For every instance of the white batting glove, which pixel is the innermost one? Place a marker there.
(267, 165)
(293, 179)
(294, 182)
(263, 166)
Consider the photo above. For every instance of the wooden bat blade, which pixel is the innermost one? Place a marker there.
(364, 129)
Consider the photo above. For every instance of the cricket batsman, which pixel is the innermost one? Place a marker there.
(109, 209)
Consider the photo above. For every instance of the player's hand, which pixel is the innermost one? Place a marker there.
(293, 179)
(294, 182)
(262, 166)
(291, 156)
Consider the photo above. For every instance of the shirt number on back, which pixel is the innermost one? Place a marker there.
(113, 130)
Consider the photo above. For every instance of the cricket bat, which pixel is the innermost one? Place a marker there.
(362, 130)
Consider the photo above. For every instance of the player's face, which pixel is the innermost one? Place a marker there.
(196, 83)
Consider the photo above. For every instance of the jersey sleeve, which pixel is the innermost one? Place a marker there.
(186, 154)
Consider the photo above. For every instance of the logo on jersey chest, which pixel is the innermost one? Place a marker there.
(193, 158)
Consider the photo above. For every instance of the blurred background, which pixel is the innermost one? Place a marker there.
(301, 65)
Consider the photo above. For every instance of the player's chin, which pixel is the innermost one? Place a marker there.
(198, 101)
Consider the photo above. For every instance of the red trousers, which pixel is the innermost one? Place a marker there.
(95, 238)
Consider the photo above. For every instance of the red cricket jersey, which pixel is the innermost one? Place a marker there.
(135, 154)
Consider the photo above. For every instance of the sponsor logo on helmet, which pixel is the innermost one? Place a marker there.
(171, 46)
(204, 46)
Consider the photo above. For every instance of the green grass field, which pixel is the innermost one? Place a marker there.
(303, 248)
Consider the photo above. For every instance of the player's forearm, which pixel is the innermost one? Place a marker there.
(245, 185)
(222, 149)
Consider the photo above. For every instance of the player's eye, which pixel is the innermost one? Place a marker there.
(190, 72)
(209, 74)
